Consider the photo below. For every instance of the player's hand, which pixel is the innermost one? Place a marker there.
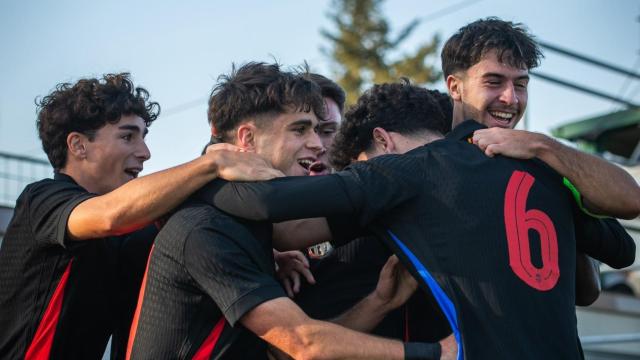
(395, 284)
(235, 164)
(291, 267)
(449, 348)
(517, 144)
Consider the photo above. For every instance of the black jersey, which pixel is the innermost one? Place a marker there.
(348, 274)
(206, 270)
(492, 238)
(59, 298)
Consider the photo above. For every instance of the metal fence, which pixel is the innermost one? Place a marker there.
(16, 172)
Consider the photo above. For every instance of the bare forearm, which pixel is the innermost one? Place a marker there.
(364, 316)
(140, 201)
(300, 234)
(322, 340)
(608, 189)
(284, 325)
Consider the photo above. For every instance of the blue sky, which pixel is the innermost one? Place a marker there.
(177, 50)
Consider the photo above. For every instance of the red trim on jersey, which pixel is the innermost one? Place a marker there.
(136, 315)
(40, 347)
(206, 349)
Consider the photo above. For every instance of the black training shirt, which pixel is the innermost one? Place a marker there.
(206, 270)
(351, 272)
(62, 299)
(492, 238)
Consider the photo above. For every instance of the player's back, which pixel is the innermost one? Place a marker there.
(497, 236)
(177, 316)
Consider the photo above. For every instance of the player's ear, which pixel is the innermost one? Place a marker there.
(246, 136)
(454, 86)
(77, 145)
(382, 141)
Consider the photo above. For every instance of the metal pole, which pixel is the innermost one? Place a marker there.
(583, 89)
(589, 60)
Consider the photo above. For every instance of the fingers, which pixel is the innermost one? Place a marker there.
(306, 272)
(389, 267)
(295, 279)
(299, 268)
(492, 150)
(286, 283)
(298, 255)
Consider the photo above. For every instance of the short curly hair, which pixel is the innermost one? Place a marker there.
(511, 41)
(446, 105)
(399, 107)
(87, 106)
(257, 89)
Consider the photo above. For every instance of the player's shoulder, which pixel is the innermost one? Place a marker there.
(53, 186)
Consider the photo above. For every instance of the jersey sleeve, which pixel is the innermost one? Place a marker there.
(360, 193)
(577, 196)
(604, 240)
(50, 205)
(232, 267)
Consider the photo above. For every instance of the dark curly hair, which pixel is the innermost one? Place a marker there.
(87, 106)
(513, 44)
(257, 89)
(399, 107)
(446, 105)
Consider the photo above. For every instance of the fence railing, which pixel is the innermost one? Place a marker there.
(16, 172)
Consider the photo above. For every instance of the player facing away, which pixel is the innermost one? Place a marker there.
(492, 239)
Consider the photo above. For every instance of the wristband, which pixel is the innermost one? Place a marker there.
(422, 351)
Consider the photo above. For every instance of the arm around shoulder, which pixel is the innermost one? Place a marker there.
(607, 188)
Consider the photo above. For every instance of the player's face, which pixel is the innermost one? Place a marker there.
(327, 130)
(116, 153)
(492, 93)
(291, 143)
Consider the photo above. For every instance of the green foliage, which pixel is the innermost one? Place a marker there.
(364, 52)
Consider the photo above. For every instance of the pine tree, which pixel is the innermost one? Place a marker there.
(364, 52)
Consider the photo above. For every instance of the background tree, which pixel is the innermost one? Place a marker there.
(364, 52)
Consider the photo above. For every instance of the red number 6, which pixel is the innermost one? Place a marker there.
(519, 221)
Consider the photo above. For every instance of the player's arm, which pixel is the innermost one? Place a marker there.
(141, 201)
(395, 286)
(604, 240)
(587, 280)
(608, 189)
(284, 325)
(283, 199)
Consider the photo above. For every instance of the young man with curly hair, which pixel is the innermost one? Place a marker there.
(69, 277)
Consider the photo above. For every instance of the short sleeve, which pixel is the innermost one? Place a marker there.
(232, 267)
(50, 205)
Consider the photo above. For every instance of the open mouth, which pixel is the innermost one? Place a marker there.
(133, 172)
(502, 117)
(318, 168)
(306, 163)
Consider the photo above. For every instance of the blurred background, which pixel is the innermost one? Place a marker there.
(586, 90)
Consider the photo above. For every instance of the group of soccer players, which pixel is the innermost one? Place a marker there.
(454, 236)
